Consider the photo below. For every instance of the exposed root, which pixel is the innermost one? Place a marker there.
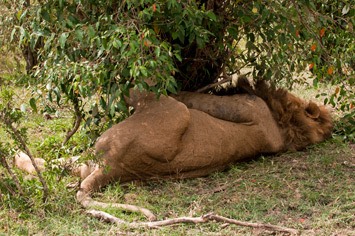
(195, 220)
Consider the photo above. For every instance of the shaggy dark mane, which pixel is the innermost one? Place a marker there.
(302, 122)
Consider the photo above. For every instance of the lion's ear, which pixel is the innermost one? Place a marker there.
(312, 110)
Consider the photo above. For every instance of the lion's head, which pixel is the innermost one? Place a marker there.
(302, 122)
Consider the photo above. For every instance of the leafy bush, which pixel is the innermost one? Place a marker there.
(92, 52)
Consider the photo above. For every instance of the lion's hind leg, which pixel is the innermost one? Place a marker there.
(97, 179)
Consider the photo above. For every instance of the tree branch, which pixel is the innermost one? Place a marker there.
(226, 78)
(13, 176)
(195, 220)
(22, 142)
(207, 87)
(78, 119)
(307, 27)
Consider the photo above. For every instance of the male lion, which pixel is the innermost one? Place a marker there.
(165, 138)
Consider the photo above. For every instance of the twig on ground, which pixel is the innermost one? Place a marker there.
(195, 220)
(253, 225)
(90, 203)
(348, 164)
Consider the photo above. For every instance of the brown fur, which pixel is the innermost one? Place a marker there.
(82, 170)
(23, 162)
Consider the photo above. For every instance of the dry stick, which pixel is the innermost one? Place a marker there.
(78, 119)
(27, 151)
(207, 87)
(154, 224)
(126, 207)
(89, 203)
(225, 80)
(202, 219)
(13, 176)
(348, 164)
(254, 225)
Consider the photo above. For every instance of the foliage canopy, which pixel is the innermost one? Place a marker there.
(90, 52)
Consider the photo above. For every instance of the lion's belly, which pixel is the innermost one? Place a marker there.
(208, 145)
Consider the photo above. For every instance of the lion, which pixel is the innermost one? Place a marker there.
(193, 135)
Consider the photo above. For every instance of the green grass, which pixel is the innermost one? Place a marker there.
(312, 191)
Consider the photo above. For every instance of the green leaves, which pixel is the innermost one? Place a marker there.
(94, 51)
(33, 104)
(62, 39)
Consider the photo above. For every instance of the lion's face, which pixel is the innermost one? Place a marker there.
(308, 122)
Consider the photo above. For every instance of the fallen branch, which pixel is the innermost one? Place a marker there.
(88, 202)
(195, 220)
(253, 225)
(154, 224)
(125, 207)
